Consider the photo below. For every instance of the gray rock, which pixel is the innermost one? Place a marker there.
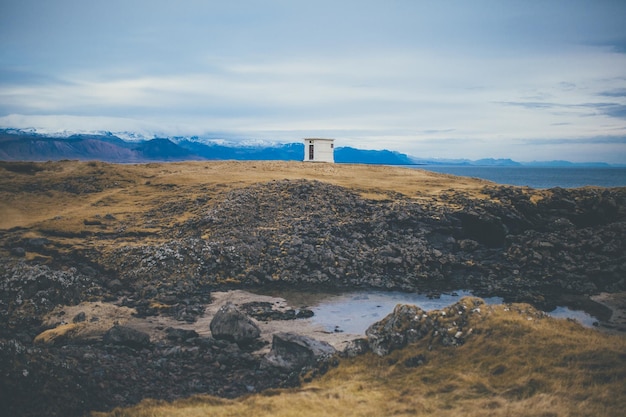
(407, 323)
(126, 336)
(355, 348)
(231, 324)
(114, 285)
(80, 317)
(180, 334)
(18, 251)
(296, 352)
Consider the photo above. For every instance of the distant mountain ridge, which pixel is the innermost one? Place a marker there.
(28, 145)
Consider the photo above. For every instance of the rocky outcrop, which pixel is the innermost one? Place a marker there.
(73, 380)
(263, 310)
(229, 323)
(512, 245)
(295, 352)
(409, 323)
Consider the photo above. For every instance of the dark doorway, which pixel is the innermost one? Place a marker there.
(311, 152)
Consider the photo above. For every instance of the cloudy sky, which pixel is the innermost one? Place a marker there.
(527, 80)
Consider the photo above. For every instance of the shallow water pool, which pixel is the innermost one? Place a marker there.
(353, 312)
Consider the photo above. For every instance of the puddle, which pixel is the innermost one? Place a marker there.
(354, 312)
(582, 317)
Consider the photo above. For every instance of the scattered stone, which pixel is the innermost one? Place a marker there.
(415, 361)
(114, 285)
(304, 313)
(180, 334)
(296, 352)
(356, 347)
(264, 311)
(231, 324)
(126, 336)
(18, 251)
(80, 317)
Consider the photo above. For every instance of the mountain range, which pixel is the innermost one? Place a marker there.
(18, 145)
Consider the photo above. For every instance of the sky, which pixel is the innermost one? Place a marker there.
(527, 80)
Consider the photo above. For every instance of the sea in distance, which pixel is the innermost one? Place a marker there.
(538, 177)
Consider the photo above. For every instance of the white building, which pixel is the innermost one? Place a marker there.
(319, 150)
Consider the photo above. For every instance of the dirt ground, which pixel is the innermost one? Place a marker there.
(100, 317)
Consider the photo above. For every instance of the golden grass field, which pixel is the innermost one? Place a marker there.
(128, 189)
(59, 198)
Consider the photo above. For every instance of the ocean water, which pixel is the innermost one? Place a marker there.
(538, 177)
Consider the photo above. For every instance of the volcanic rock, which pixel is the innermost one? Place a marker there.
(409, 323)
(296, 352)
(180, 334)
(126, 336)
(229, 323)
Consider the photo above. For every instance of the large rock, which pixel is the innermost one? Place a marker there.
(409, 323)
(126, 336)
(231, 324)
(296, 352)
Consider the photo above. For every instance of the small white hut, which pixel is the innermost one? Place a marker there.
(319, 150)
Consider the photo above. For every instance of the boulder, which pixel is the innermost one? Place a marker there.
(296, 352)
(126, 336)
(231, 324)
(408, 324)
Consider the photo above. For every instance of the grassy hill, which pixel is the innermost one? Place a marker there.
(83, 226)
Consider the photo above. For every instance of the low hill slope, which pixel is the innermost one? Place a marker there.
(162, 238)
(516, 361)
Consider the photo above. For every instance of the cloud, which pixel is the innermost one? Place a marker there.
(443, 78)
(611, 109)
(605, 140)
(617, 92)
(616, 110)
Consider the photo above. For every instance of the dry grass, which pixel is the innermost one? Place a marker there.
(510, 366)
(99, 317)
(516, 363)
(73, 201)
(81, 190)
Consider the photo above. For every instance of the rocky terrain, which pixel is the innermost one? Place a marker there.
(157, 244)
